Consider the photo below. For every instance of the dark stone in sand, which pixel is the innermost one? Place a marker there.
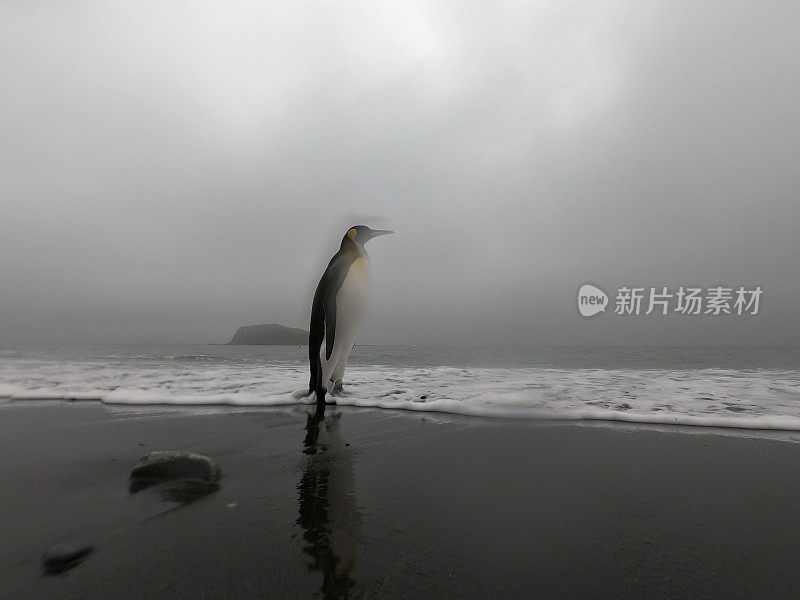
(185, 476)
(65, 555)
(167, 466)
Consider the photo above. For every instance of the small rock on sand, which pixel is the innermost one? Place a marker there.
(167, 466)
(65, 555)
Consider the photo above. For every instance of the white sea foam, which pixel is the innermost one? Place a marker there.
(757, 399)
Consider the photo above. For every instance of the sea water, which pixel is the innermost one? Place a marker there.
(755, 388)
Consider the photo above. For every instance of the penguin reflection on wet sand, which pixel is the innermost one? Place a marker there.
(337, 311)
(328, 513)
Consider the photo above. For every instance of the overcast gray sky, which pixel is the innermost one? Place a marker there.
(173, 170)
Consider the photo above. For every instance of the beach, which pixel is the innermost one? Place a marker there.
(371, 503)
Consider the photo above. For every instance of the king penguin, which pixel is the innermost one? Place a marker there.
(338, 308)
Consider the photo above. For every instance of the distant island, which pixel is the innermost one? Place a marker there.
(261, 335)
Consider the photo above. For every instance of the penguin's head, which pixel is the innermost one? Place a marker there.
(361, 234)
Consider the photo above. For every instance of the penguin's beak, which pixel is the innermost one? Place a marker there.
(376, 232)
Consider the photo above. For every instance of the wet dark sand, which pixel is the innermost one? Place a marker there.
(397, 505)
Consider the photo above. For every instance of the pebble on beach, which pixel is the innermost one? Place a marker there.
(186, 476)
(167, 466)
(65, 555)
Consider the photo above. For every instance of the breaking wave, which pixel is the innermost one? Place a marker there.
(728, 398)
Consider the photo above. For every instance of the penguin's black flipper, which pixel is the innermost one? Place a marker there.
(330, 322)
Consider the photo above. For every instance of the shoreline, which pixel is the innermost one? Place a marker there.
(767, 427)
(393, 504)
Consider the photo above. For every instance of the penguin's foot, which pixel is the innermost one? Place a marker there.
(336, 388)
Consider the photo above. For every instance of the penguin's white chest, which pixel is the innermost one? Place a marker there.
(351, 300)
